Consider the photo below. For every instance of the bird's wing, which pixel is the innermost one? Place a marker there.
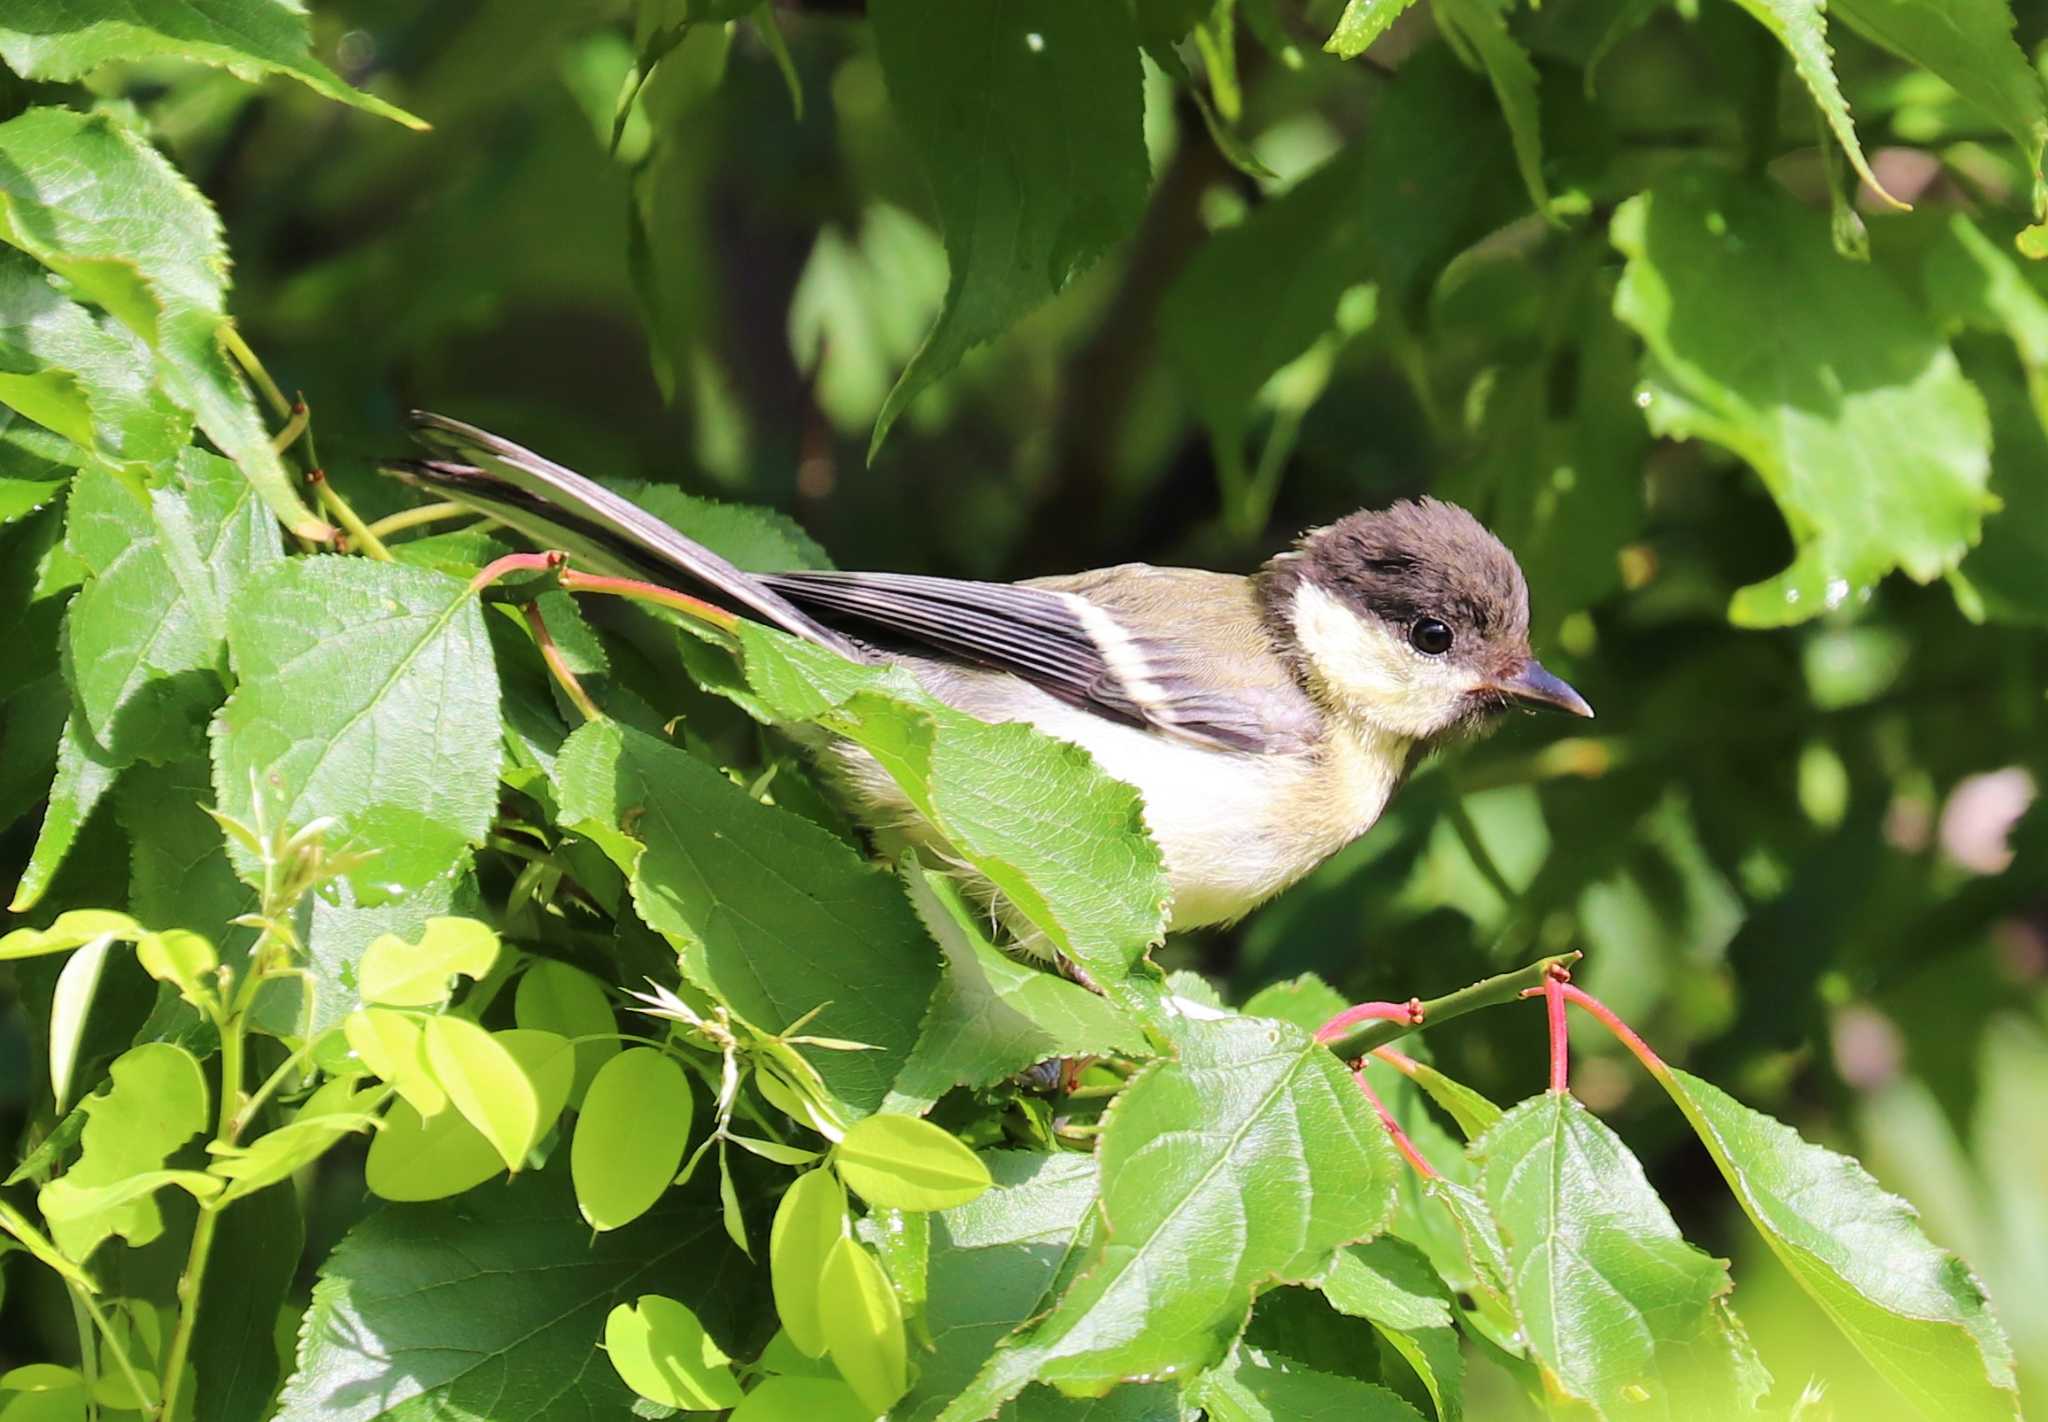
(1094, 640)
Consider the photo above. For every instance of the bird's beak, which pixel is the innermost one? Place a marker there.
(1533, 686)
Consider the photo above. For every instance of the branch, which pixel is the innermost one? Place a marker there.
(1491, 992)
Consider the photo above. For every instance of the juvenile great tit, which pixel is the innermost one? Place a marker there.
(1265, 720)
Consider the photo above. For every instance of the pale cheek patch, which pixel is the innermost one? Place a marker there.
(1375, 673)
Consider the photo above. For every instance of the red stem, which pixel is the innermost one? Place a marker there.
(1409, 1012)
(515, 563)
(552, 655)
(1401, 1141)
(1560, 1043)
(718, 617)
(1650, 1060)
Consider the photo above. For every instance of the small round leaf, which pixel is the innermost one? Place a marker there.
(909, 1164)
(554, 997)
(411, 1159)
(487, 1084)
(389, 1044)
(396, 973)
(810, 1220)
(802, 1400)
(863, 1325)
(629, 1137)
(664, 1354)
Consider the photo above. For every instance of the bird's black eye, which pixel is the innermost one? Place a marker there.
(1429, 635)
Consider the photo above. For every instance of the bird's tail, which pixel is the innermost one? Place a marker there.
(560, 509)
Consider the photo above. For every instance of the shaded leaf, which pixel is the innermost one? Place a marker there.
(84, 775)
(1279, 1391)
(493, 1305)
(993, 1016)
(63, 40)
(1028, 120)
(1389, 1283)
(1801, 27)
(555, 997)
(1483, 26)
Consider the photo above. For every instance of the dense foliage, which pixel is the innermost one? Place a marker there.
(437, 989)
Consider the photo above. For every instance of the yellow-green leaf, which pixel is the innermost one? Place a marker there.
(809, 1223)
(412, 1159)
(664, 1354)
(396, 973)
(907, 1163)
(863, 1325)
(390, 1045)
(630, 1136)
(486, 1084)
(555, 997)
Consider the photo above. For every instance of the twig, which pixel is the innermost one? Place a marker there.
(1401, 1141)
(558, 666)
(1491, 992)
(406, 519)
(696, 608)
(1410, 1012)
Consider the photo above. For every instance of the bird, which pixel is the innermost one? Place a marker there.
(1265, 719)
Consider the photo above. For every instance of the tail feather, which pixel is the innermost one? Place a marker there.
(559, 508)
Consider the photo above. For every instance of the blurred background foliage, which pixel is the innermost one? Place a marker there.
(1807, 860)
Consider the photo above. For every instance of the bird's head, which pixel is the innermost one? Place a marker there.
(1415, 619)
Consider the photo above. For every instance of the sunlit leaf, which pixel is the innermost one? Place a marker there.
(486, 1083)
(555, 997)
(808, 1224)
(395, 973)
(1279, 1391)
(1855, 414)
(863, 1324)
(630, 1136)
(1028, 121)
(158, 1100)
(909, 1164)
(663, 1353)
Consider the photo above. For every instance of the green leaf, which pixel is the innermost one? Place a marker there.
(142, 243)
(391, 1045)
(863, 1325)
(994, 1263)
(1801, 27)
(630, 1137)
(717, 874)
(860, 308)
(87, 381)
(760, 540)
(146, 631)
(486, 1083)
(70, 930)
(1185, 1164)
(664, 1354)
(342, 928)
(181, 958)
(395, 973)
(1914, 1310)
(1258, 295)
(494, 1305)
(84, 775)
(808, 1224)
(63, 40)
(362, 688)
(1970, 44)
(1391, 1285)
(1483, 26)
(1855, 415)
(1619, 1310)
(904, 1163)
(801, 1400)
(1064, 844)
(554, 997)
(1307, 1001)
(156, 1102)
(1474, 1114)
(992, 1015)
(251, 1271)
(1279, 1391)
(276, 1155)
(1027, 118)
(1362, 22)
(413, 1159)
